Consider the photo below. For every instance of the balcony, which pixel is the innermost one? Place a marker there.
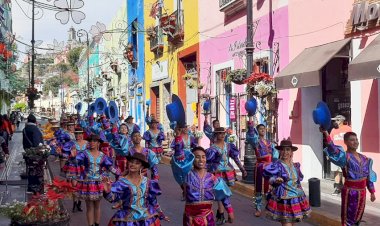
(230, 7)
(173, 26)
(156, 43)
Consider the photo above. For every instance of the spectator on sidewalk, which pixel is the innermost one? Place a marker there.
(31, 135)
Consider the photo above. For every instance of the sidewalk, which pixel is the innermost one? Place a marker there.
(329, 212)
(12, 187)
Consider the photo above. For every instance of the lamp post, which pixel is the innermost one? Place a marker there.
(33, 56)
(82, 33)
(249, 155)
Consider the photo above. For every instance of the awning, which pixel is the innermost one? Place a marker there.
(367, 64)
(304, 70)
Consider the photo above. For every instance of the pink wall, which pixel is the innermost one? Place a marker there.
(215, 50)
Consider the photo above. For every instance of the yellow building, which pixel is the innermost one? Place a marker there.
(171, 52)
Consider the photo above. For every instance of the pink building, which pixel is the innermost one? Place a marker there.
(322, 56)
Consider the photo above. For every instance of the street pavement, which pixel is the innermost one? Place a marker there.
(170, 199)
(173, 206)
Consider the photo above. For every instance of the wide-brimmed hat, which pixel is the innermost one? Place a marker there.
(322, 115)
(175, 111)
(54, 121)
(55, 126)
(129, 117)
(141, 157)
(78, 130)
(71, 123)
(286, 143)
(94, 137)
(220, 130)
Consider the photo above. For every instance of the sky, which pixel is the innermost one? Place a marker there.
(49, 28)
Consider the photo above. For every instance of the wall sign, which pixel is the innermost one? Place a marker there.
(233, 109)
(224, 3)
(364, 15)
(160, 71)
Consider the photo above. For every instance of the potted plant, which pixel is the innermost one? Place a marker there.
(260, 85)
(201, 85)
(191, 84)
(236, 76)
(35, 159)
(41, 210)
(151, 33)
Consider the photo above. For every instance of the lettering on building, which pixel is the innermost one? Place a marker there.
(364, 15)
(237, 49)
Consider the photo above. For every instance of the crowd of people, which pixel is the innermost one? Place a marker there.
(108, 160)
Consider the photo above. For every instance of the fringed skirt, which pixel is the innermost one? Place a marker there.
(288, 210)
(91, 190)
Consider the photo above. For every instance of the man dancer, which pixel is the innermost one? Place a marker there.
(265, 154)
(358, 173)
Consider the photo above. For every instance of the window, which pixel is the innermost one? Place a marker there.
(222, 93)
(261, 65)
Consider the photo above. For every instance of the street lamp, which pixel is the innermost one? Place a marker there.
(249, 154)
(80, 34)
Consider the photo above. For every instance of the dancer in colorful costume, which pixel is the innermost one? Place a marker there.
(137, 194)
(218, 163)
(71, 168)
(189, 143)
(132, 127)
(93, 167)
(265, 154)
(287, 202)
(201, 187)
(358, 174)
(154, 137)
(115, 141)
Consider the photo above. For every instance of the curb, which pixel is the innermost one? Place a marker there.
(318, 216)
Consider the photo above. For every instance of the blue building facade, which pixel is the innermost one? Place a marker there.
(135, 20)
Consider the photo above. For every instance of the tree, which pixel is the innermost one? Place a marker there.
(17, 84)
(20, 106)
(54, 83)
(73, 58)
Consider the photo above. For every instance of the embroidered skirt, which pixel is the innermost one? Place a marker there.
(90, 189)
(152, 221)
(288, 210)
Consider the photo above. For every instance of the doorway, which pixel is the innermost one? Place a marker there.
(337, 94)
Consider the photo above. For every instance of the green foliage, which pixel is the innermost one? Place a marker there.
(17, 84)
(20, 106)
(73, 58)
(62, 67)
(53, 84)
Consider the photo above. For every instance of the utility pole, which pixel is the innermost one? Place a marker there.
(33, 56)
(249, 155)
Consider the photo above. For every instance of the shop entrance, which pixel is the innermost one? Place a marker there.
(336, 93)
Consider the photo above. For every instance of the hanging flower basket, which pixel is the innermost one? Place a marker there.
(260, 85)
(201, 85)
(236, 76)
(187, 77)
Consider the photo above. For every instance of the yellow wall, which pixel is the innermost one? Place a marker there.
(191, 37)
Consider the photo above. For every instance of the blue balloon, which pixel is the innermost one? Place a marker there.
(251, 106)
(78, 106)
(322, 115)
(148, 102)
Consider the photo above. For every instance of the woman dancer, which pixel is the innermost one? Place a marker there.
(93, 164)
(72, 169)
(287, 202)
(137, 194)
(154, 137)
(201, 188)
(218, 163)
